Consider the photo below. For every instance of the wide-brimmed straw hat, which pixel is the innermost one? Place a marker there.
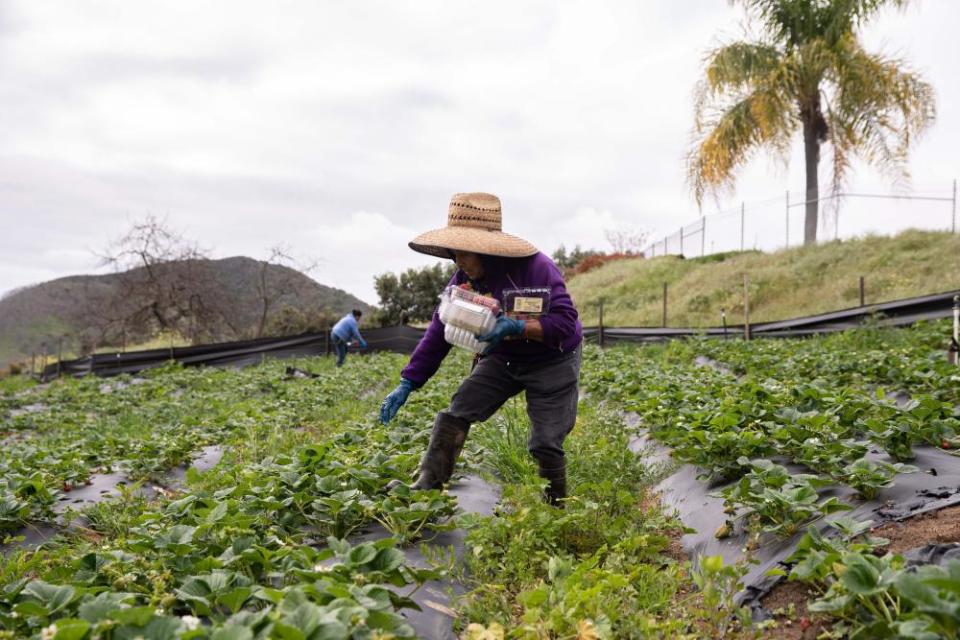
(473, 224)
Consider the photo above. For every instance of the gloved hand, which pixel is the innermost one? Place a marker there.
(505, 327)
(363, 343)
(392, 403)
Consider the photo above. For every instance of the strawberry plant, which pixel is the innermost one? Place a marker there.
(722, 454)
(930, 602)
(868, 477)
(816, 555)
(408, 514)
(863, 594)
(895, 437)
(778, 501)
(829, 457)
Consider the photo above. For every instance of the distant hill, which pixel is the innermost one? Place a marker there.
(33, 315)
(784, 284)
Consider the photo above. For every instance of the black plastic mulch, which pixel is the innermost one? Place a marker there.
(934, 486)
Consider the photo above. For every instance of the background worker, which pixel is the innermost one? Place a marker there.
(344, 331)
(538, 353)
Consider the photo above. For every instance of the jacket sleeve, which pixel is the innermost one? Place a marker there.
(355, 330)
(430, 351)
(560, 322)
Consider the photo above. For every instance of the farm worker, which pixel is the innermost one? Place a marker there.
(538, 354)
(343, 332)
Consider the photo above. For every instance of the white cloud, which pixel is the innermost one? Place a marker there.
(248, 125)
(587, 225)
(351, 250)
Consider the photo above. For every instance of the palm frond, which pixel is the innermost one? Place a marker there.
(792, 22)
(736, 66)
(727, 138)
(878, 106)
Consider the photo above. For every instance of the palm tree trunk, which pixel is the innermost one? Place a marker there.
(811, 153)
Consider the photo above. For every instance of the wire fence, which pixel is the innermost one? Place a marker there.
(777, 223)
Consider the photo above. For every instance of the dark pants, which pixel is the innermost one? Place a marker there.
(340, 346)
(552, 394)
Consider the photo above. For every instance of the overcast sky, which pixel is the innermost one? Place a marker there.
(342, 128)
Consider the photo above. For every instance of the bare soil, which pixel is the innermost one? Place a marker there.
(933, 527)
(788, 602)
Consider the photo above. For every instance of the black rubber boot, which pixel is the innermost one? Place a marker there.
(555, 473)
(446, 443)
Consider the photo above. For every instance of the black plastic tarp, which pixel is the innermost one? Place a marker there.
(934, 486)
(247, 352)
(895, 313)
(404, 339)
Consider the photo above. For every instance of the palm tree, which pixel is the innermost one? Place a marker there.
(809, 72)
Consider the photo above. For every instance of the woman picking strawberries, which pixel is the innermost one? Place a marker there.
(534, 346)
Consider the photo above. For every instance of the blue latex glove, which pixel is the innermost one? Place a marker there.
(363, 343)
(392, 403)
(505, 327)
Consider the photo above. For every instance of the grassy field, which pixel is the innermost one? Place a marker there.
(788, 283)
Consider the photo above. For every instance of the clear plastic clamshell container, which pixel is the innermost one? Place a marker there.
(462, 338)
(466, 314)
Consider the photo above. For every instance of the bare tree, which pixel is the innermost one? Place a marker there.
(627, 239)
(165, 282)
(101, 316)
(280, 278)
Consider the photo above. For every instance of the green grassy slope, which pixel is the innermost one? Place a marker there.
(785, 284)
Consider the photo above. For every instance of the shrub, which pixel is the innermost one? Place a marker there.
(592, 262)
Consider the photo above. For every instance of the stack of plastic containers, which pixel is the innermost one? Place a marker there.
(466, 314)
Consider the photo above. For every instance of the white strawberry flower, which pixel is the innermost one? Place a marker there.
(190, 622)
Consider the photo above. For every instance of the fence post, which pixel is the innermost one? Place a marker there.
(33, 364)
(326, 341)
(703, 235)
(746, 307)
(723, 316)
(862, 296)
(788, 219)
(664, 304)
(953, 350)
(600, 326)
(955, 345)
(681, 241)
(743, 207)
(59, 356)
(953, 216)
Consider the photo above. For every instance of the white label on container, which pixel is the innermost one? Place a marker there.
(527, 305)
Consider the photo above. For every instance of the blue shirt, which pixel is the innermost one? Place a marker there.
(346, 328)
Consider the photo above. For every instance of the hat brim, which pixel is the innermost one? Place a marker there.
(441, 242)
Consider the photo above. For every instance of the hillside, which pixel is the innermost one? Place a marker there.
(62, 307)
(788, 283)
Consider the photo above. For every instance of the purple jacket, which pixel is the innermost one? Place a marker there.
(561, 326)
